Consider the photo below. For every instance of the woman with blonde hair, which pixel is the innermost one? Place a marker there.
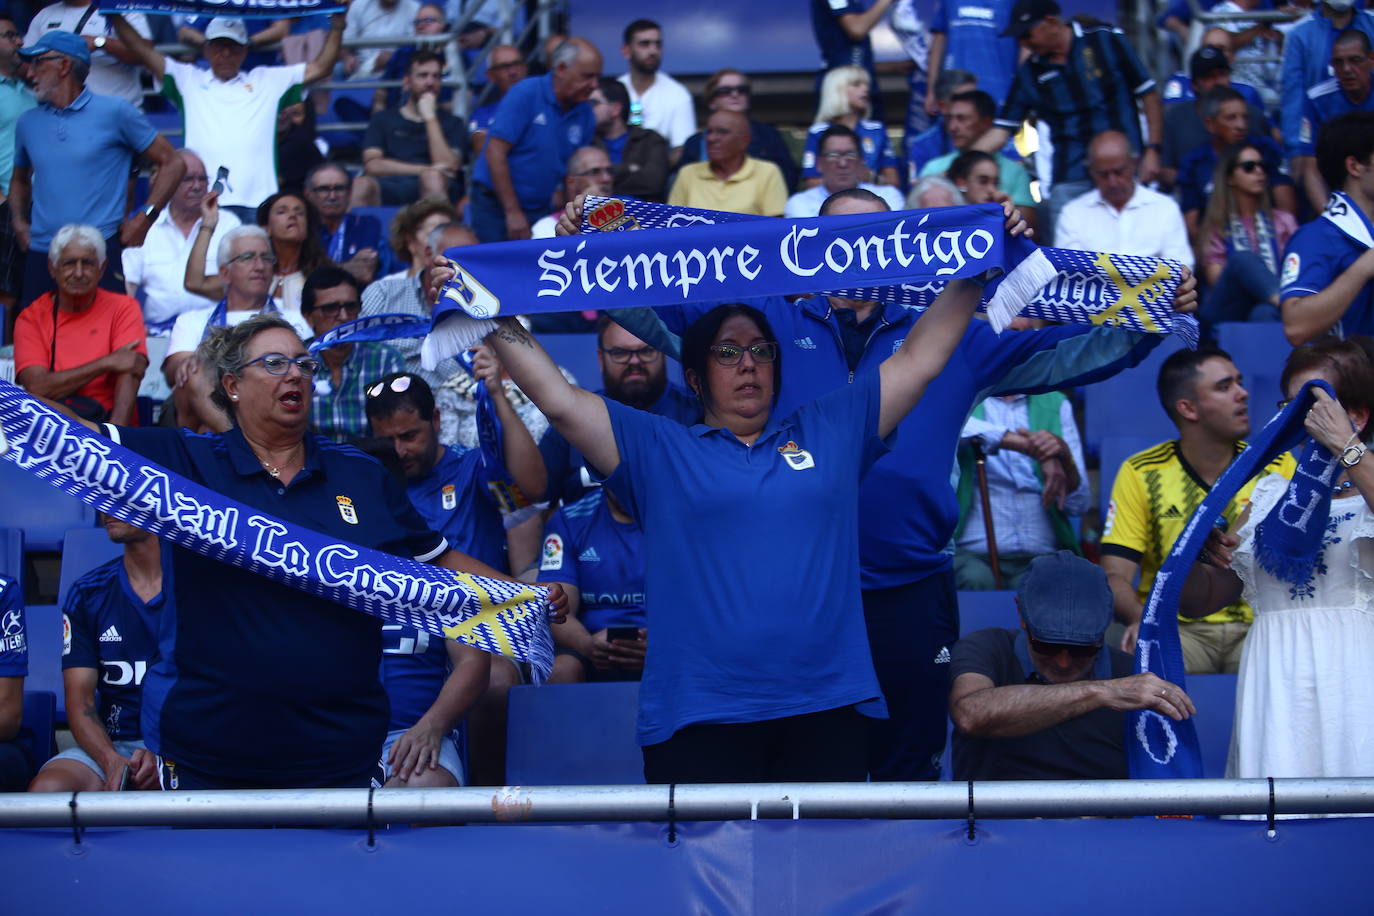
(1241, 240)
(845, 99)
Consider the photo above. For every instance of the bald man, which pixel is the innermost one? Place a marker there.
(1118, 214)
(589, 172)
(538, 125)
(730, 179)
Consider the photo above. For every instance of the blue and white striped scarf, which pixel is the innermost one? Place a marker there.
(505, 618)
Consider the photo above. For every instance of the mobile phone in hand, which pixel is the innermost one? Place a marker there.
(221, 180)
(124, 782)
(630, 634)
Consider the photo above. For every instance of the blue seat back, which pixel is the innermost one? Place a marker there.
(83, 549)
(980, 610)
(40, 509)
(1126, 403)
(577, 354)
(1214, 695)
(40, 724)
(43, 625)
(1259, 350)
(573, 734)
(12, 553)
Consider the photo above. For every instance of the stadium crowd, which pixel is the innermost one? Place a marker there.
(918, 456)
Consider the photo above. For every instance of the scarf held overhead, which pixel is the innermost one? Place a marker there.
(257, 9)
(906, 258)
(504, 618)
(1158, 747)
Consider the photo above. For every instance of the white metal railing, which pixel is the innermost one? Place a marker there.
(948, 800)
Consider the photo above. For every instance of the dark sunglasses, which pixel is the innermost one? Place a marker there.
(1054, 648)
(729, 90)
(1251, 165)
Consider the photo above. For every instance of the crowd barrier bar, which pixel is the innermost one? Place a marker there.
(958, 800)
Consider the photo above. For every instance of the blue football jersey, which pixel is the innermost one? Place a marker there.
(586, 547)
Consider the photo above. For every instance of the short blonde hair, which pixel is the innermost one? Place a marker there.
(834, 95)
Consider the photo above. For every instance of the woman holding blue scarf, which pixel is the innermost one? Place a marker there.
(760, 668)
(1241, 241)
(1303, 557)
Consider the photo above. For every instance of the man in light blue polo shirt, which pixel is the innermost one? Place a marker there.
(15, 99)
(537, 126)
(73, 156)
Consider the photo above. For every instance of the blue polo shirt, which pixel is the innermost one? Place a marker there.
(1316, 255)
(751, 561)
(1197, 171)
(15, 99)
(453, 500)
(565, 464)
(480, 119)
(106, 626)
(14, 644)
(974, 42)
(1307, 62)
(542, 136)
(81, 157)
(1324, 102)
(836, 47)
(873, 142)
(907, 507)
(255, 681)
(414, 668)
(584, 546)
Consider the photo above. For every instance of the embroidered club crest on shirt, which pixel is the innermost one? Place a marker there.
(797, 458)
(346, 510)
(449, 497)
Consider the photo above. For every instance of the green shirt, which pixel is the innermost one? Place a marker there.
(15, 99)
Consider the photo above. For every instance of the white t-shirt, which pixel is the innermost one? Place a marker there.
(369, 19)
(158, 267)
(190, 327)
(808, 203)
(109, 75)
(667, 108)
(234, 123)
(1150, 225)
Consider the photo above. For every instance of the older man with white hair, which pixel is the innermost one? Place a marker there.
(80, 344)
(158, 266)
(247, 266)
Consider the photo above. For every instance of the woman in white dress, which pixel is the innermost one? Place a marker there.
(1305, 694)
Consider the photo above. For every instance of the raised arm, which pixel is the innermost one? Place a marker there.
(138, 46)
(195, 280)
(323, 64)
(524, 462)
(580, 416)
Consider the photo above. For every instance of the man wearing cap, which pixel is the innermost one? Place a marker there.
(1182, 87)
(114, 68)
(72, 158)
(231, 116)
(1081, 81)
(1184, 125)
(1048, 701)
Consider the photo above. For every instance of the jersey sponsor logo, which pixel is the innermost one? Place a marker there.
(589, 556)
(613, 599)
(1111, 517)
(413, 642)
(66, 635)
(553, 553)
(540, 119)
(12, 633)
(575, 134)
(1292, 264)
(346, 510)
(975, 12)
(805, 343)
(797, 458)
(838, 5)
(111, 635)
(122, 674)
(449, 497)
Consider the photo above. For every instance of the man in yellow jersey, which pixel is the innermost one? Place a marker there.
(1157, 490)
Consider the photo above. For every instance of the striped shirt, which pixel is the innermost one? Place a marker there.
(1093, 90)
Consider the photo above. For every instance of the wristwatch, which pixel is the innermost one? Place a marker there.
(98, 43)
(151, 212)
(1351, 454)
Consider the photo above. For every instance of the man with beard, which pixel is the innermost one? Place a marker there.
(632, 373)
(657, 101)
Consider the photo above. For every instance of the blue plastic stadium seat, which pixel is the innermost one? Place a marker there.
(577, 354)
(83, 549)
(44, 631)
(41, 510)
(1214, 695)
(573, 734)
(384, 216)
(980, 610)
(12, 553)
(1259, 350)
(40, 716)
(1126, 403)
(1115, 450)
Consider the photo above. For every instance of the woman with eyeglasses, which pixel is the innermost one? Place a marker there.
(293, 226)
(1241, 240)
(261, 685)
(1304, 698)
(760, 668)
(845, 99)
(730, 90)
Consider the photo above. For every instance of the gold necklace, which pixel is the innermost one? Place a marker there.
(274, 470)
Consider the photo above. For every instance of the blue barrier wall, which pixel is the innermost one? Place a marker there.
(772, 867)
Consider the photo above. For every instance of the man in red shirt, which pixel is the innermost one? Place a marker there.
(82, 345)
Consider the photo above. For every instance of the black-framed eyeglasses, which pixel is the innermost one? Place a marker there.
(280, 364)
(329, 189)
(625, 354)
(1054, 648)
(427, 20)
(351, 307)
(731, 354)
(730, 90)
(11, 34)
(265, 257)
(399, 385)
(1252, 165)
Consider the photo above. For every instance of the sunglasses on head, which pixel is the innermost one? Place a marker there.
(399, 385)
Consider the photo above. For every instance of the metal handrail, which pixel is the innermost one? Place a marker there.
(956, 800)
